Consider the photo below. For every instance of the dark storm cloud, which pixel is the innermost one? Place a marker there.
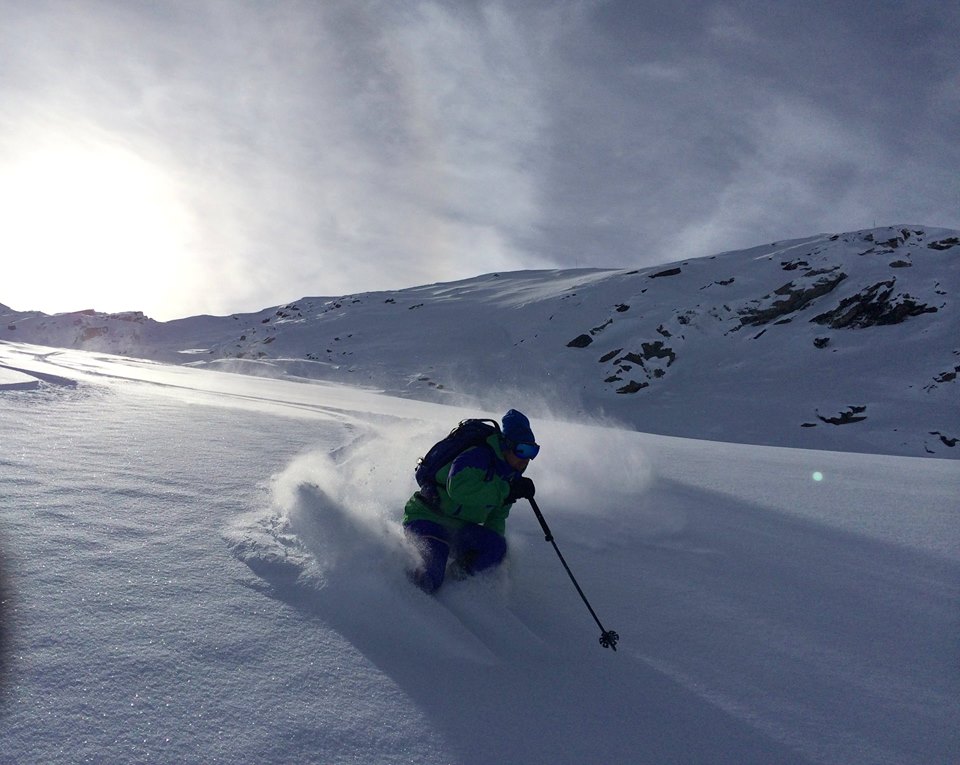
(718, 125)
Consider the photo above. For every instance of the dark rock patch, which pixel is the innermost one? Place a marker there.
(658, 350)
(794, 297)
(655, 350)
(947, 376)
(850, 415)
(944, 377)
(668, 272)
(633, 386)
(872, 306)
(598, 330)
(580, 341)
(650, 361)
(944, 244)
(945, 439)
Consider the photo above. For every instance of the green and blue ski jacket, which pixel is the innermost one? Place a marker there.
(473, 488)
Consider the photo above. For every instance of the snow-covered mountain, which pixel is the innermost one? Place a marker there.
(845, 341)
(205, 567)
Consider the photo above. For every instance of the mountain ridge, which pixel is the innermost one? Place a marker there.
(846, 341)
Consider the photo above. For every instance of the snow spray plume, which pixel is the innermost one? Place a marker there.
(341, 501)
(575, 444)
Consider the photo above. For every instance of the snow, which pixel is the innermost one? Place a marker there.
(11, 379)
(207, 567)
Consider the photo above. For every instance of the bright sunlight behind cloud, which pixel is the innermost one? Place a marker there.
(90, 224)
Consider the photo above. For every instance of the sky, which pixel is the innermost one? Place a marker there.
(219, 156)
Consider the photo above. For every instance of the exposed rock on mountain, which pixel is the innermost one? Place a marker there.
(945, 244)
(874, 305)
(793, 296)
(580, 341)
(849, 415)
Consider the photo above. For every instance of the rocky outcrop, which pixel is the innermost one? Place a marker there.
(947, 376)
(667, 272)
(945, 439)
(944, 244)
(649, 363)
(582, 341)
(872, 306)
(791, 297)
(847, 416)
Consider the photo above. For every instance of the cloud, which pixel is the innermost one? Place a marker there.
(801, 163)
(409, 157)
(728, 26)
(336, 147)
(401, 154)
(714, 126)
(321, 148)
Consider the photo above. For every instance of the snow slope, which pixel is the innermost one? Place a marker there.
(846, 342)
(207, 567)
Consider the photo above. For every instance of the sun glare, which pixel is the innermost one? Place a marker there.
(89, 226)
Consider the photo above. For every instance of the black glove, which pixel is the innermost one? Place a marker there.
(521, 488)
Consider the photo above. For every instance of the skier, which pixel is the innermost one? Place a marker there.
(460, 515)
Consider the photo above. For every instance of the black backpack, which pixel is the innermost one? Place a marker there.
(467, 434)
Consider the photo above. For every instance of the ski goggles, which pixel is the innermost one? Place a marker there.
(526, 451)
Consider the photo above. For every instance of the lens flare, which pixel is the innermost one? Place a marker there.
(817, 476)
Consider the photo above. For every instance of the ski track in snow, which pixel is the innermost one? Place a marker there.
(210, 569)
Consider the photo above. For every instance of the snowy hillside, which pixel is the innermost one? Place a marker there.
(848, 342)
(207, 568)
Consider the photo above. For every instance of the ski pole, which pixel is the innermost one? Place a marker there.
(608, 638)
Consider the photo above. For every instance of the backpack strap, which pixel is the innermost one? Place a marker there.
(490, 468)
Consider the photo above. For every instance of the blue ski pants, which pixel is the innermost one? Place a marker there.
(472, 548)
